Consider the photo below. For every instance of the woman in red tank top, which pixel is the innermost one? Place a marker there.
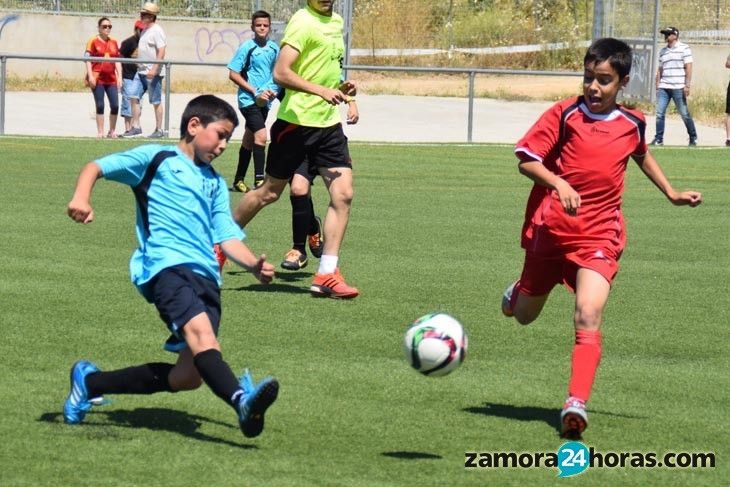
(104, 77)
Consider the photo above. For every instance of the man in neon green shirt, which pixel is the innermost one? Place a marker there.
(308, 125)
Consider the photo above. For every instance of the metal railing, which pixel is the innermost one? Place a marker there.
(470, 73)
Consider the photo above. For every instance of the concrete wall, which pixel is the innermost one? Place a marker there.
(709, 71)
(64, 35)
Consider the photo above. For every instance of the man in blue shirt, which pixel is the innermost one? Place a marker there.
(182, 211)
(251, 69)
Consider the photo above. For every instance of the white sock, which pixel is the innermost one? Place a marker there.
(328, 264)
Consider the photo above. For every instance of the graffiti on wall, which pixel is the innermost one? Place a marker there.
(7, 20)
(214, 45)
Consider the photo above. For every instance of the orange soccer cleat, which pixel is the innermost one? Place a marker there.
(332, 286)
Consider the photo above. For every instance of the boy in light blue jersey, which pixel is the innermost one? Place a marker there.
(251, 69)
(182, 211)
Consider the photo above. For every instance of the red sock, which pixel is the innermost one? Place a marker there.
(586, 357)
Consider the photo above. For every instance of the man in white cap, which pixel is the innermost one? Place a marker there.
(152, 44)
(673, 79)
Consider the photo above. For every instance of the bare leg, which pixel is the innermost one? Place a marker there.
(253, 201)
(159, 112)
(136, 111)
(339, 184)
(100, 125)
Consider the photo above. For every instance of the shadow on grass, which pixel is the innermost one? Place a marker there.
(279, 285)
(155, 419)
(411, 455)
(551, 416)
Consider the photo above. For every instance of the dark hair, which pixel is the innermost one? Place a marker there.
(260, 14)
(98, 24)
(616, 52)
(208, 109)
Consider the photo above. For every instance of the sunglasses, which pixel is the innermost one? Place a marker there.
(106, 26)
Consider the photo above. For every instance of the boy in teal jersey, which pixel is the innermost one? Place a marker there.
(251, 70)
(182, 211)
(308, 126)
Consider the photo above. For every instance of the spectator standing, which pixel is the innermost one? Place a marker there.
(104, 77)
(673, 80)
(128, 49)
(152, 46)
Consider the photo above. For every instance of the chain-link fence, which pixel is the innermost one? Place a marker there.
(186, 9)
(706, 21)
(444, 24)
(510, 34)
(700, 22)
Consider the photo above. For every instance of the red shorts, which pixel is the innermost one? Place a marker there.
(542, 272)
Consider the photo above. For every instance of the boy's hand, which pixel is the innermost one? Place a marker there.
(349, 88)
(80, 212)
(569, 198)
(332, 96)
(353, 115)
(263, 98)
(263, 271)
(691, 198)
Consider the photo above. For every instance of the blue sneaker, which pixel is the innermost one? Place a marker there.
(78, 402)
(255, 400)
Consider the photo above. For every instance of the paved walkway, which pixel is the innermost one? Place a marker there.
(383, 118)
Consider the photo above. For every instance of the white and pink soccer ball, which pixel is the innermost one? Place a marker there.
(435, 344)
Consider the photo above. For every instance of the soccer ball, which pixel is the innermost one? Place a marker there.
(435, 344)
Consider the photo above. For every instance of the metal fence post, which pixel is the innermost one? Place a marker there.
(3, 73)
(168, 82)
(470, 122)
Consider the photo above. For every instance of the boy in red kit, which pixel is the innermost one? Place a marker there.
(574, 232)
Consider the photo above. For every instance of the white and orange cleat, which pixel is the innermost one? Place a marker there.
(332, 286)
(573, 418)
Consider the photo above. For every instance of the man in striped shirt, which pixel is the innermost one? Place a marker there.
(673, 79)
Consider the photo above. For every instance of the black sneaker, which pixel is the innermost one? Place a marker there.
(693, 142)
(294, 260)
(727, 143)
(656, 142)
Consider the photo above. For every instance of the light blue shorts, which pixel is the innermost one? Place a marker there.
(141, 85)
(127, 92)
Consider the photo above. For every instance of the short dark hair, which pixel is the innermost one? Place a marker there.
(616, 52)
(208, 108)
(98, 24)
(260, 14)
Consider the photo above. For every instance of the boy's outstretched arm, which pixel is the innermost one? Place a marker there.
(654, 172)
(239, 253)
(79, 208)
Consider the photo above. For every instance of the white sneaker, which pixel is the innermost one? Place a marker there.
(573, 418)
